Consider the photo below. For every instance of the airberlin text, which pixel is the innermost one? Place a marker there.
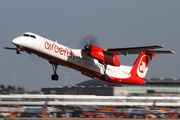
(57, 49)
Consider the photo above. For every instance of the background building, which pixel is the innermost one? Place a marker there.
(153, 87)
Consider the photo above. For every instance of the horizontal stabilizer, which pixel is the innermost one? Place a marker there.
(136, 50)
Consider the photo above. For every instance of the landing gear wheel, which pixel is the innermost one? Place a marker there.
(18, 51)
(54, 77)
(104, 77)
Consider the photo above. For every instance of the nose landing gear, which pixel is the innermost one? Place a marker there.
(54, 77)
(18, 50)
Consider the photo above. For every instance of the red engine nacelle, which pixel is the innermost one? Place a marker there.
(103, 58)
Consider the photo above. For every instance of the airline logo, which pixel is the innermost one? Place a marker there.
(143, 66)
(58, 49)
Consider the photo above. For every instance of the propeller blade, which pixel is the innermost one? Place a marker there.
(88, 40)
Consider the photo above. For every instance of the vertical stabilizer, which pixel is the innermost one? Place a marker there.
(46, 103)
(153, 107)
(140, 67)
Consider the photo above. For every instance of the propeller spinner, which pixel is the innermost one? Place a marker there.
(87, 41)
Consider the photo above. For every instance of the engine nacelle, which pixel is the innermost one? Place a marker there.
(103, 58)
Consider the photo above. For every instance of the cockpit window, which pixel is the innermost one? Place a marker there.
(33, 36)
(26, 35)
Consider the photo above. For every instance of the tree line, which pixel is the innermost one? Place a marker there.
(10, 89)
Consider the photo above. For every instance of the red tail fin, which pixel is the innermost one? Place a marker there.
(140, 67)
(153, 107)
(46, 103)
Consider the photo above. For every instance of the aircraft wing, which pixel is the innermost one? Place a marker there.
(10, 48)
(136, 50)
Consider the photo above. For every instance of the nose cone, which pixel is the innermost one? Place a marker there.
(17, 41)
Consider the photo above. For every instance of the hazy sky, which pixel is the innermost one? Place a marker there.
(116, 23)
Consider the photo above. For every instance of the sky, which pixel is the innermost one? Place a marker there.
(116, 24)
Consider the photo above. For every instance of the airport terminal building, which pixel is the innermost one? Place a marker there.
(153, 87)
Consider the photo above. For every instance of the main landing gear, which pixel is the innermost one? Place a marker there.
(105, 76)
(54, 77)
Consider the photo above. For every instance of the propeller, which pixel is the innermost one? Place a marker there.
(88, 41)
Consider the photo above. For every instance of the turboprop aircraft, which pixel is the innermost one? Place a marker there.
(92, 60)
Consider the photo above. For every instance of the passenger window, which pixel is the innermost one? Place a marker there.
(33, 36)
(26, 35)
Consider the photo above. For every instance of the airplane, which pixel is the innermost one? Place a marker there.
(92, 61)
(145, 112)
(36, 110)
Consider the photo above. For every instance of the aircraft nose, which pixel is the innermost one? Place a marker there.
(16, 41)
